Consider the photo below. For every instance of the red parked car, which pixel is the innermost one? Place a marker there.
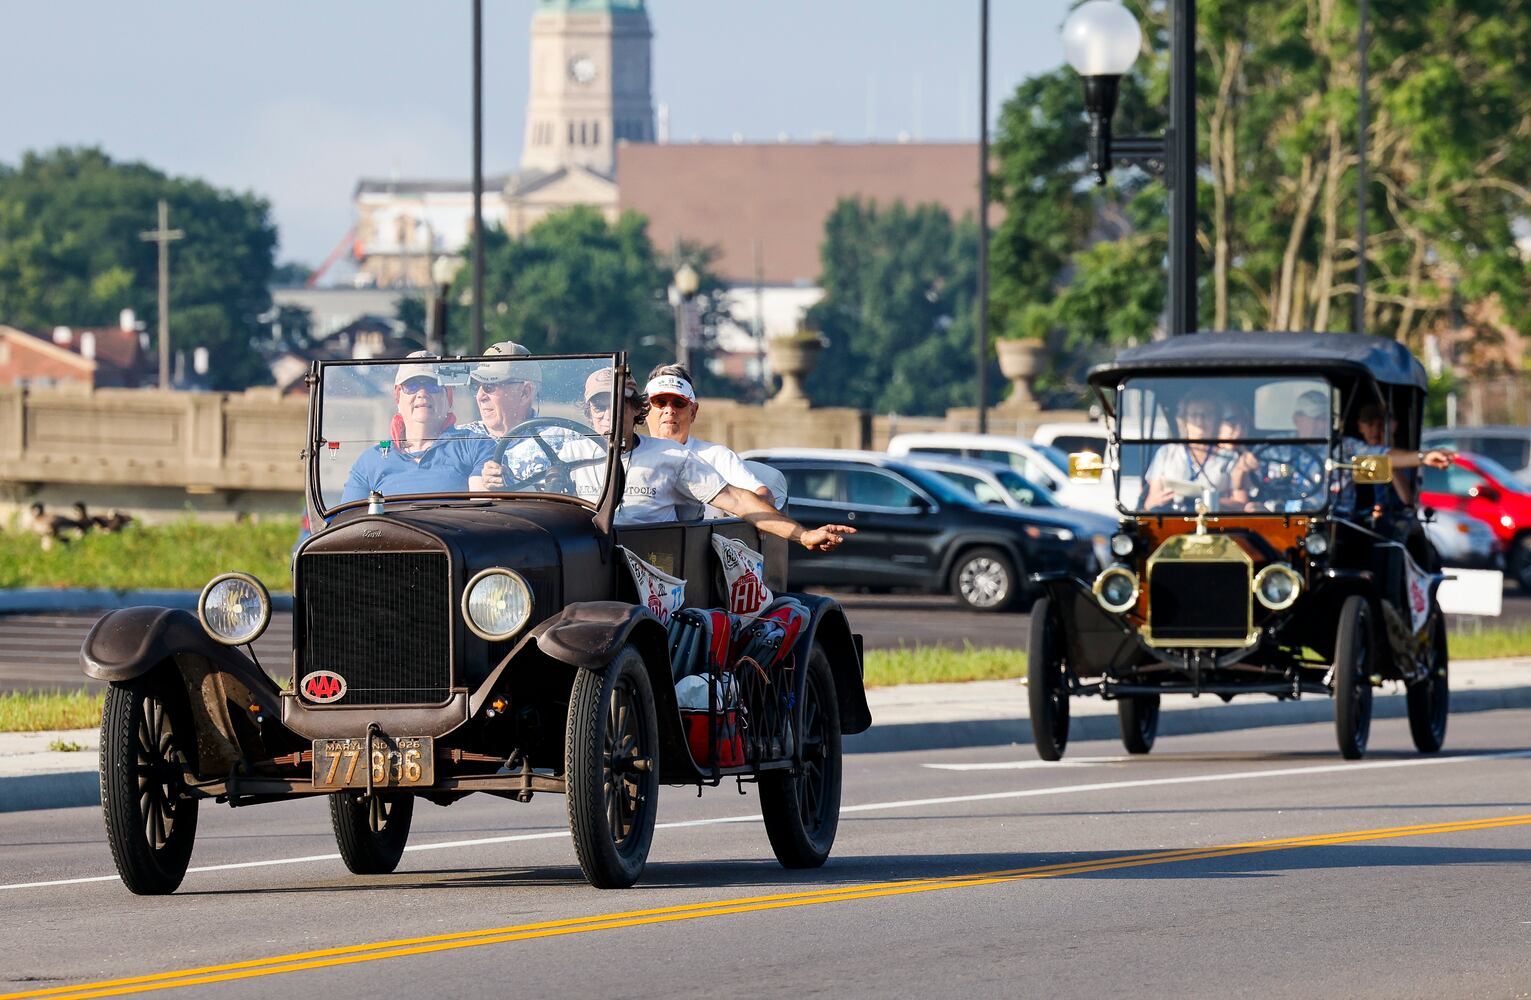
(1480, 487)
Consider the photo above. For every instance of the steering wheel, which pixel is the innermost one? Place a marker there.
(1281, 479)
(529, 429)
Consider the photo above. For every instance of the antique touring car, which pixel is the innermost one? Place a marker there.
(1263, 547)
(447, 642)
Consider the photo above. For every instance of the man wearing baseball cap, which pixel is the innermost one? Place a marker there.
(423, 453)
(664, 476)
(506, 393)
(673, 407)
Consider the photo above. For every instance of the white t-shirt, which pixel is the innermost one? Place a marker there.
(660, 475)
(729, 465)
(1174, 462)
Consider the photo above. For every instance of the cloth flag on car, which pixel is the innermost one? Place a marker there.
(743, 576)
(658, 591)
(1420, 586)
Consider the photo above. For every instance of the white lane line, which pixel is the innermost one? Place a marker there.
(1024, 793)
(1026, 765)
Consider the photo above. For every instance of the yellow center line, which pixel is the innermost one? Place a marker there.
(403, 947)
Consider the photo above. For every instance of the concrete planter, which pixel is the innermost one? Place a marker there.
(793, 359)
(1019, 361)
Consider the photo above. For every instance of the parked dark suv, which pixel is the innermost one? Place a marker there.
(918, 530)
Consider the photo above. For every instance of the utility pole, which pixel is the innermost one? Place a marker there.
(163, 236)
(1363, 112)
(1182, 167)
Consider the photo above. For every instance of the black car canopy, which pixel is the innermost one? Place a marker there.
(1348, 355)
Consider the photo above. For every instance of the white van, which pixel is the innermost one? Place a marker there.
(1042, 464)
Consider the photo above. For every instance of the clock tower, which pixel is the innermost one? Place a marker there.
(590, 84)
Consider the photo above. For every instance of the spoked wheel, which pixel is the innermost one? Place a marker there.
(147, 743)
(1047, 683)
(1429, 698)
(1354, 652)
(1138, 716)
(802, 807)
(611, 763)
(371, 831)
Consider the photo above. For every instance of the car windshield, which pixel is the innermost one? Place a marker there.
(939, 486)
(1246, 444)
(1054, 454)
(1495, 470)
(428, 427)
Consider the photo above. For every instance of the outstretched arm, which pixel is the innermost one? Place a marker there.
(760, 513)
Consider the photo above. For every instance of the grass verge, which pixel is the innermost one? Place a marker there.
(181, 555)
(39, 711)
(34, 711)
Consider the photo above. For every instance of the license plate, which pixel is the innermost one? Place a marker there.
(396, 762)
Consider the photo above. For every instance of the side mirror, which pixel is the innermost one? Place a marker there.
(1372, 470)
(1484, 492)
(1086, 467)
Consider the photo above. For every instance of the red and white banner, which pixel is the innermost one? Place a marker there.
(743, 576)
(1418, 593)
(660, 592)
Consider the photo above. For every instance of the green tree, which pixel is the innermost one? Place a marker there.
(410, 310)
(1449, 144)
(576, 283)
(899, 309)
(70, 254)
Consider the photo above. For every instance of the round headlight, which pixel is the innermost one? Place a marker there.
(1317, 543)
(1277, 586)
(234, 608)
(1116, 589)
(1121, 545)
(496, 604)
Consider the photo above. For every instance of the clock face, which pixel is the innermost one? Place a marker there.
(582, 69)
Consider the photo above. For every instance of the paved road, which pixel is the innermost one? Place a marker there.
(41, 651)
(1251, 863)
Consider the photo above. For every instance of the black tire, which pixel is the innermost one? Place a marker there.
(1354, 652)
(802, 806)
(147, 741)
(1519, 560)
(1429, 700)
(986, 579)
(611, 761)
(371, 831)
(1047, 683)
(1138, 716)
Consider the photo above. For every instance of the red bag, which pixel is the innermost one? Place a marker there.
(730, 743)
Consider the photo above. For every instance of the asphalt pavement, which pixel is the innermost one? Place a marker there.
(1233, 864)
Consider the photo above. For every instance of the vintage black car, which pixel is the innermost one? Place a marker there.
(1263, 549)
(448, 641)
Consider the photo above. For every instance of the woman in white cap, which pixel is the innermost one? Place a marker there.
(423, 452)
(663, 475)
(673, 408)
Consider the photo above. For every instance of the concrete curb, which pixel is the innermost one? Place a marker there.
(35, 600)
(1172, 721)
(72, 789)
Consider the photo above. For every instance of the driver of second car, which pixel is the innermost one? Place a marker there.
(662, 475)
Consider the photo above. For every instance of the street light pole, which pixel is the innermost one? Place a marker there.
(1181, 141)
(1102, 40)
(478, 176)
(983, 211)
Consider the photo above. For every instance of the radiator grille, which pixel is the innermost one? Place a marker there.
(382, 621)
(1192, 601)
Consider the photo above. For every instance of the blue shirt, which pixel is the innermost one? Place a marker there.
(444, 467)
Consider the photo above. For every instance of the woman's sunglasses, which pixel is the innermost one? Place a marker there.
(415, 385)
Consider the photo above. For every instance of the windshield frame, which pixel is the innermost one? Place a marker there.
(1329, 444)
(603, 507)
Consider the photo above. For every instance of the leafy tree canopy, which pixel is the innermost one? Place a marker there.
(576, 283)
(1449, 151)
(70, 254)
(899, 309)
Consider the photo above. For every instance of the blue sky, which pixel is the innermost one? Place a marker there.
(296, 99)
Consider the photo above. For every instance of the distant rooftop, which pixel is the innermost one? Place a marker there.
(588, 6)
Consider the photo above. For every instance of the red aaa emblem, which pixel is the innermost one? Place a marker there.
(323, 686)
